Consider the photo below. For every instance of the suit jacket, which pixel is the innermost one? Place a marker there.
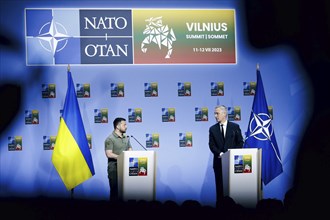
(233, 139)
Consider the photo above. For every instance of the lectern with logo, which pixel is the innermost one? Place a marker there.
(137, 175)
(241, 169)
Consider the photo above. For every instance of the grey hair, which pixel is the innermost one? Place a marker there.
(223, 108)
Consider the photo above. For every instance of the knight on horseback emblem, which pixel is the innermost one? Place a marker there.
(159, 34)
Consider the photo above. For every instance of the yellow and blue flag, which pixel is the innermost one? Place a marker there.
(72, 156)
(260, 134)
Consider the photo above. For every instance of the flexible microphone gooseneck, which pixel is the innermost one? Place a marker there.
(139, 143)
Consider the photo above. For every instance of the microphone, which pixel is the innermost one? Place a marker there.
(139, 143)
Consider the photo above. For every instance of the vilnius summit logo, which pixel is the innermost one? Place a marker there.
(106, 36)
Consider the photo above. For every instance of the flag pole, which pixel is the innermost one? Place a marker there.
(68, 67)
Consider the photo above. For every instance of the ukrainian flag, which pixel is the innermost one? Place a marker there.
(71, 156)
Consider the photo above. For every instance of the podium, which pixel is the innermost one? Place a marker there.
(136, 175)
(241, 172)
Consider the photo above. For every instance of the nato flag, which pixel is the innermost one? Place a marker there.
(260, 134)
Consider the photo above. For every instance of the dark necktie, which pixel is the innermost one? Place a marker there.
(222, 131)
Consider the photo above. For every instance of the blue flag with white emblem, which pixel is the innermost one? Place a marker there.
(260, 134)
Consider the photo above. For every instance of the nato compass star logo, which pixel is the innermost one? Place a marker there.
(53, 37)
(261, 127)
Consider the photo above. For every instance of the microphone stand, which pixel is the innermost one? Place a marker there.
(139, 143)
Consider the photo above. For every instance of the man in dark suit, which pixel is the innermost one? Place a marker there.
(222, 136)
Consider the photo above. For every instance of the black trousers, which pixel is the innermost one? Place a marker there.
(218, 183)
(113, 181)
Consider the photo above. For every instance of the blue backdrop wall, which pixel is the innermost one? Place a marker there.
(182, 172)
